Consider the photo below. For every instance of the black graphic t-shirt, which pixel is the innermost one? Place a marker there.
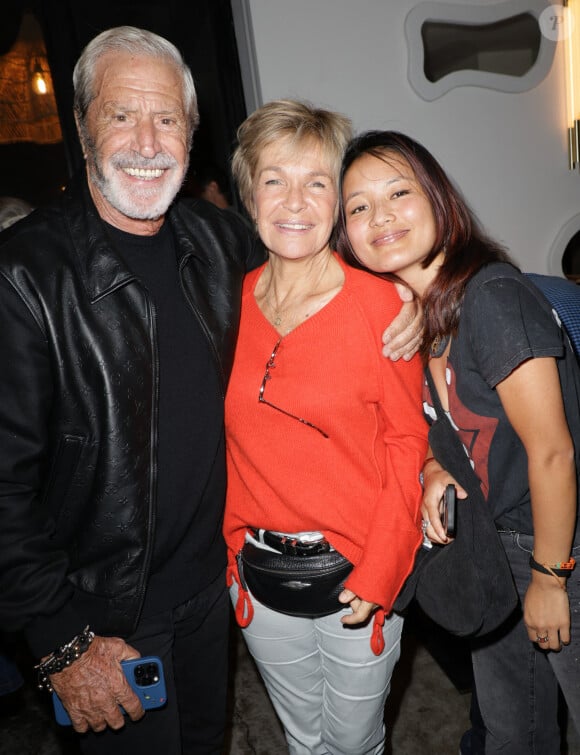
(505, 320)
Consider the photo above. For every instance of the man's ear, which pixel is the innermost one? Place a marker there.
(80, 132)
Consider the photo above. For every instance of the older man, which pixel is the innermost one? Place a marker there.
(118, 318)
(117, 332)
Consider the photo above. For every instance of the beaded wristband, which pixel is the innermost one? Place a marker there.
(62, 657)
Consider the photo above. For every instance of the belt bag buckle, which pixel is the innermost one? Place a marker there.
(290, 546)
(295, 547)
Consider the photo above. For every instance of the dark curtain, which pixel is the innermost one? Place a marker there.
(202, 30)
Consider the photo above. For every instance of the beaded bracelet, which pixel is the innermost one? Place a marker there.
(62, 657)
(561, 569)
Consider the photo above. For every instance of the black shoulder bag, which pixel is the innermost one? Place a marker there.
(466, 586)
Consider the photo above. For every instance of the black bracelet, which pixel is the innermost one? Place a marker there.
(62, 657)
(552, 572)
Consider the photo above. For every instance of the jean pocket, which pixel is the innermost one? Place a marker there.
(524, 542)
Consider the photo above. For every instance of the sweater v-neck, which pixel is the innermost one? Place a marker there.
(326, 310)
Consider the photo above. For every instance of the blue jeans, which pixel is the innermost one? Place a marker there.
(517, 683)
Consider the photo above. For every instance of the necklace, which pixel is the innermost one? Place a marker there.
(277, 317)
(302, 300)
(283, 314)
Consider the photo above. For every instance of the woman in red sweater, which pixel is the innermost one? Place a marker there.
(325, 439)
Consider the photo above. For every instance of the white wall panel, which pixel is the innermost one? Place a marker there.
(506, 151)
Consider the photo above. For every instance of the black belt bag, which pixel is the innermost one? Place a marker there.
(297, 585)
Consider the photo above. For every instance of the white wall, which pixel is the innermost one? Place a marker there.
(507, 152)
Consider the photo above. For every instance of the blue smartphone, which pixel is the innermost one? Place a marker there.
(145, 676)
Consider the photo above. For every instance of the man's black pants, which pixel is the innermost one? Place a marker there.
(192, 641)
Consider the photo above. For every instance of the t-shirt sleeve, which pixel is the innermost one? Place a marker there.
(508, 324)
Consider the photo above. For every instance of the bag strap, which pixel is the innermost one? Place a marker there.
(448, 448)
(434, 394)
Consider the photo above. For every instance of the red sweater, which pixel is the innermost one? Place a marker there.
(359, 486)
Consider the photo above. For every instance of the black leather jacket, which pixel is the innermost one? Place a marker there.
(78, 408)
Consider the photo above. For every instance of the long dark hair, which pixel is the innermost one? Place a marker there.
(465, 247)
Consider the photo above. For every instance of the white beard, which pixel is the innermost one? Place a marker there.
(136, 202)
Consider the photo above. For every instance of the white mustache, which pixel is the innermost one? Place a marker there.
(134, 160)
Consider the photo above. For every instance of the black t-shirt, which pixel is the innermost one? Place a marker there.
(505, 320)
(189, 550)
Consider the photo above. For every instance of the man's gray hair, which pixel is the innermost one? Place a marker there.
(139, 42)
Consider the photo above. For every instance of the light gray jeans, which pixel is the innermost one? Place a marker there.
(325, 683)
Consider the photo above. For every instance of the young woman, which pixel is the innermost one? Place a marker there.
(325, 440)
(506, 375)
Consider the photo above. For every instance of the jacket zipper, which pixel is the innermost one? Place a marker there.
(204, 327)
(152, 317)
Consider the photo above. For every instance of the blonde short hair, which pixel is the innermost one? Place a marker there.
(279, 119)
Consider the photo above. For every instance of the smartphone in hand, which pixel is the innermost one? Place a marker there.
(145, 676)
(448, 510)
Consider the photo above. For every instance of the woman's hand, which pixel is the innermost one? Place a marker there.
(404, 335)
(361, 609)
(547, 612)
(435, 480)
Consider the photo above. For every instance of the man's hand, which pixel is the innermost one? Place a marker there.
(403, 336)
(94, 686)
